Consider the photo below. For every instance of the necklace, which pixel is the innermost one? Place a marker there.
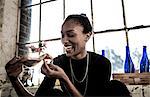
(85, 76)
(86, 71)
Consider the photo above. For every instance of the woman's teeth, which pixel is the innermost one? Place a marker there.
(68, 48)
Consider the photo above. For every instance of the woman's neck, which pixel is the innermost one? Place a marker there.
(79, 56)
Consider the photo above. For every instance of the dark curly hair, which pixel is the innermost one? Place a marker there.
(82, 19)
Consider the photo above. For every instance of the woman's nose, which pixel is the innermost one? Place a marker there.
(65, 39)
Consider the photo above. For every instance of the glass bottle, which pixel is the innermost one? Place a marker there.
(144, 63)
(128, 65)
(103, 52)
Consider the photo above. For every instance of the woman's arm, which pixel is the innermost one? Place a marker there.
(71, 88)
(13, 69)
(55, 71)
(19, 88)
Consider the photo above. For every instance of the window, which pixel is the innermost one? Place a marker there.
(110, 21)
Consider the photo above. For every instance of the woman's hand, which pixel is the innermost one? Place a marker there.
(14, 67)
(52, 70)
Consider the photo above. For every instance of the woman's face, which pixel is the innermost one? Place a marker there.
(73, 39)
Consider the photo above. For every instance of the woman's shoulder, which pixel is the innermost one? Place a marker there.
(60, 59)
(93, 53)
(98, 57)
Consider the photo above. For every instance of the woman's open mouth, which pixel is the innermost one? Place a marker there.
(68, 49)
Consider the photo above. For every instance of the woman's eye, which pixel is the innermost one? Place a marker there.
(70, 35)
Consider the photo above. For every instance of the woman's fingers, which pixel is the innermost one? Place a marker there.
(46, 56)
(14, 60)
(52, 70)
(45, 69)
(47, 66)
(49, 69)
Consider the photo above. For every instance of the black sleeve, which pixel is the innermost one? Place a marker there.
(46, 87)
(106, 66)
(102, 70)
(47, 84)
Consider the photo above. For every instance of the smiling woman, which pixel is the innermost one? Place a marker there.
(102, 23)
(74, 69)
(71, 38)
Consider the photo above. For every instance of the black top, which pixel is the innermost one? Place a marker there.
(99, 72)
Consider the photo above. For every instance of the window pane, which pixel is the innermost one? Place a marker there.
(114, 45)
(137, 12)
(107, 14)
(34, 34)
(52, 18)
(78, 7)
(48, 0)
(54, 48)
(136, 44)
(35, 2)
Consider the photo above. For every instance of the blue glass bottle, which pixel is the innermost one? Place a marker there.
(128, 65)
(144, 63)
(103, 52)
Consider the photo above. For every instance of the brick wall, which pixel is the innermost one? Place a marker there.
(25, 23)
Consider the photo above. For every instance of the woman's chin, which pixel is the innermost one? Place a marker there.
(69, 54)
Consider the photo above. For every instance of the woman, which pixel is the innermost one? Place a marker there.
(80, 72)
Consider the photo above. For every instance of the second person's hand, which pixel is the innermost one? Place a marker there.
(14, 67)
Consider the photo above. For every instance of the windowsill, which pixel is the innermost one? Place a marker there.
(133, 78)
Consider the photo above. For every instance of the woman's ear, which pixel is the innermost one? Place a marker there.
(88, 35)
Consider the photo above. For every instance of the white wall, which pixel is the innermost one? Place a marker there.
(8, 32)
(9, 21)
